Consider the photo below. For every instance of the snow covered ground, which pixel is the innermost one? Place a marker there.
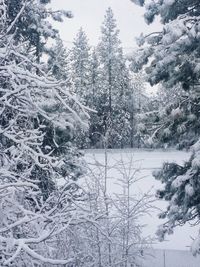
(147, 161)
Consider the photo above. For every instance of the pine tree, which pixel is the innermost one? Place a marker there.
(59, 63)
(32, 26)
(80, 56)
(114, 76)
(94, 100)
(80, 79)
(176, 62)
(137, 107)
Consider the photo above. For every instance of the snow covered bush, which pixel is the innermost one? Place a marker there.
(116, 238)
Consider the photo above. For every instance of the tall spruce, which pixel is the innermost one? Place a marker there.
(114, 83)
(137, 106)
(80, 56)
(80, 77)
(94, 101)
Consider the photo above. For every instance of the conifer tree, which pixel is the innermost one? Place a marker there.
(80, 79)
(114, 84)
(59, 62)
(32, 26)
(80, 56)
(94, 101)
(175, 52)
(137, 106)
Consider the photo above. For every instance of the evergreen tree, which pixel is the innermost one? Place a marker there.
(80, 61)
(102, 81)
(80, 79)
(94, 78)
(137, 107)
(114, 83)
(176, 62)
(32, 24)
(59, 62)
(94, 101)
(167, 123)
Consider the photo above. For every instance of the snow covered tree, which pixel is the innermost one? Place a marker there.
(32, 25)
(137, 106)
(116, 239)
(80, 78)
(94, 101)
(80, 56)
(59, 62)
(28, 20)
(168, 122)
(114, 83)
(94, 71)
(97, 234)
(121, 127)
(35, 112)
(173, 59)
(102, 80)
(130, 208)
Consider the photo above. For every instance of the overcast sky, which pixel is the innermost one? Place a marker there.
(89, 14)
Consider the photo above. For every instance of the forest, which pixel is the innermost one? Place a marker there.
(65, 109)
